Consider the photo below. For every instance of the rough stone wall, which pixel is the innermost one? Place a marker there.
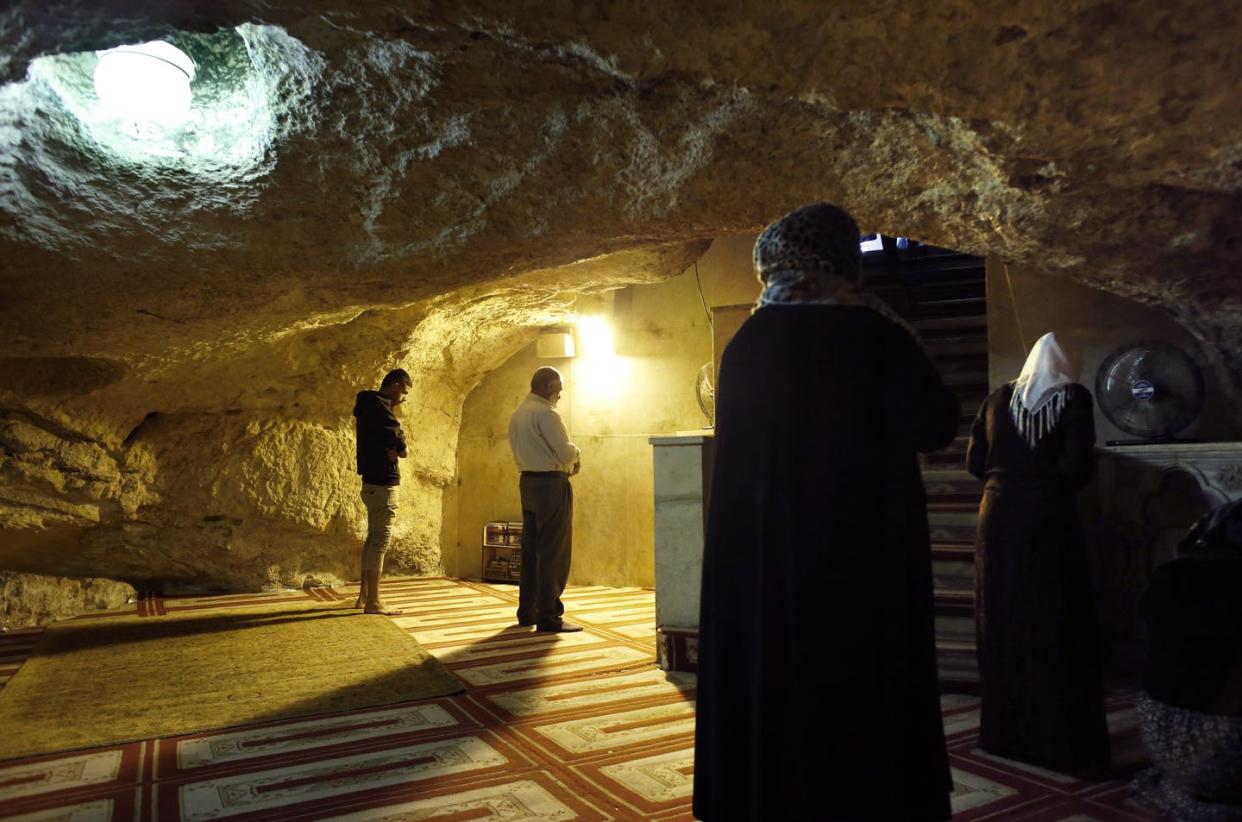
(427, 185)
(236, 473)
(29, 599)
(610, 409)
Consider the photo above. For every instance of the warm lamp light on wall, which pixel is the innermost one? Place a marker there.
(595, 334)
(555, 345)
(599, 375)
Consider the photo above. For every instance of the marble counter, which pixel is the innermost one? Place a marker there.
(682, 469)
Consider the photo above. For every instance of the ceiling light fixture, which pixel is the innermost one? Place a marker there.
(147, 84)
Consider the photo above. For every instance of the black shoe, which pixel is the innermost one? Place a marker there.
(561, 626)
(525, 623)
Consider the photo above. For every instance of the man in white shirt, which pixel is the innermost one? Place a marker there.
(546, 459)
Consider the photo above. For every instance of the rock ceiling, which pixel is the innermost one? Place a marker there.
(370, 183)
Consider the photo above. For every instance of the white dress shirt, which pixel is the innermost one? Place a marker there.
(538, 437)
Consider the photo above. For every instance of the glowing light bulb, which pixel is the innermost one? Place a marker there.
(596, 336)
(145, 84)
(599, 374)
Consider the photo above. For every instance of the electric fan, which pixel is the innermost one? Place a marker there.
(706, 392)
(1149, 389)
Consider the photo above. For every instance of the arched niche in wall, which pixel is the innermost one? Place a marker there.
(1144, 500)
(1181, 496)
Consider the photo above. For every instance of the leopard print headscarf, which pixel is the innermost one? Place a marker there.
(811, 255)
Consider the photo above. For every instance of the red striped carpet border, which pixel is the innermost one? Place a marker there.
(552, 726)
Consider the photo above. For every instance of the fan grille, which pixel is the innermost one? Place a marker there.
(706, 392)
(1150, 389)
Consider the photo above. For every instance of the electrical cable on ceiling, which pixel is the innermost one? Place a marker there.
(1014, 302)
(710, 323)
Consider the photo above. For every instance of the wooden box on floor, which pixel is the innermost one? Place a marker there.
(677, 649)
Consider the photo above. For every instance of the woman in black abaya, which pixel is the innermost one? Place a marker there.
(817, 692)
(1190, 708)
(1039, 655)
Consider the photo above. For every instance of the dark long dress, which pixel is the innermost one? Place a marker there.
(817, 692)
(1038, 637)
(1190, 710)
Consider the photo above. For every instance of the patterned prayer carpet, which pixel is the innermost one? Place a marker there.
(93, 682)
(552, 726)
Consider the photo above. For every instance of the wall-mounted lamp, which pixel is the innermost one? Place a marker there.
(595, 334)
(599, 375)
(554, 346)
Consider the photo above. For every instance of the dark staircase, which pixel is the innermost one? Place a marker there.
(943, 295)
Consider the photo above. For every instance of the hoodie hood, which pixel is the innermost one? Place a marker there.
(368, 399)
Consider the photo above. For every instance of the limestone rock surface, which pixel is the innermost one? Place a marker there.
(30, 599)
(364, 185)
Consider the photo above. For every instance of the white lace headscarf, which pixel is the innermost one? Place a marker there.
(1040, 391)
(811, 256)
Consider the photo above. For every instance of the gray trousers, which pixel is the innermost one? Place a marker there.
(381, 503)
(547, 537)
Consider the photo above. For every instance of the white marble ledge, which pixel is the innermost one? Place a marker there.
(684, 438)
(1173, 449)
(1216, 465)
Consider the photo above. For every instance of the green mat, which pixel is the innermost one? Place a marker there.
(100, 681)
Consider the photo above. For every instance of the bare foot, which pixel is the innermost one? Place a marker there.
(381, 608)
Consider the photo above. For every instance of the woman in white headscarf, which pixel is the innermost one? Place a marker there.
(1039, 651)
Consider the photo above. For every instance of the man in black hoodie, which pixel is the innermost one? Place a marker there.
(381, 443)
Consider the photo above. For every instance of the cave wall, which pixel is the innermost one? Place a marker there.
(611, 408)
(33, 599)
(1092, 323)
(429, 186)
(236, 471)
